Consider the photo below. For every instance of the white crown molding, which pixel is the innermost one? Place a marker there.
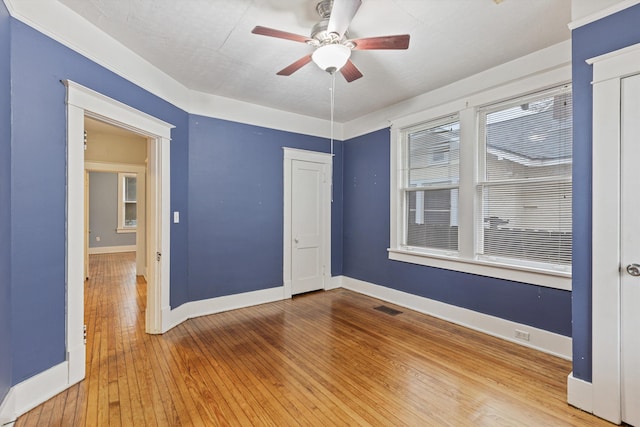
(73, 31)
(65, 26)
(208, 105)
(545, 341)
(554, 59)
(602, 13)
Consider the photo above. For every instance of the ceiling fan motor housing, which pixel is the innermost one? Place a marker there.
(319, 32)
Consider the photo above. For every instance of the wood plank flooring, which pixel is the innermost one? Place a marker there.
(326, 358)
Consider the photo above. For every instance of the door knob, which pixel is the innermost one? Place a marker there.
(296, 242)
(633, 269)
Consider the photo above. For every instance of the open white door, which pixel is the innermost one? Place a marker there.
(307, 221)
(630, 250)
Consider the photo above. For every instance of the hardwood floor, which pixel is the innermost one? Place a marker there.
(326, 358)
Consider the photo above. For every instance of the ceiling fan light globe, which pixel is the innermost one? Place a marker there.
(331, 57)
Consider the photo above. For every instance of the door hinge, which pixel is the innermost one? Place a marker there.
(84, 334)
(158, 256)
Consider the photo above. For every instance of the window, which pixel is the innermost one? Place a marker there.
(525, 181)
(488, 190)
(431, 179)
(127, 203)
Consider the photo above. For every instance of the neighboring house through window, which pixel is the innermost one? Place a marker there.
(488, 189)
(431, 185)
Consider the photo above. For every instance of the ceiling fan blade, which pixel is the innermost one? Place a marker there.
(350, 72)
(342, 13)
(271, 32)
(382, 42)
(287, 71)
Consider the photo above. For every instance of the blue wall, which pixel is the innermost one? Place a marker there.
(235, 205)
(235, 219)
(103, 212)
(366, 239)
(38, 185)
(5, 204)
(231, 241)
(606, 35)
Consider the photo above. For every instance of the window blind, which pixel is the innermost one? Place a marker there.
(431, 185)
(525, 190)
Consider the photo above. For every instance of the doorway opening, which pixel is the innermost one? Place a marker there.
(81, 103)
(115, 192)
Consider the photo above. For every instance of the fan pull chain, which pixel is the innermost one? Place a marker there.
(333, 90)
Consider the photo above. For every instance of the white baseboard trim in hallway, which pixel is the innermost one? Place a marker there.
(112, 249)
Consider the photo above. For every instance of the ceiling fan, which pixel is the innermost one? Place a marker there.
(329, 38)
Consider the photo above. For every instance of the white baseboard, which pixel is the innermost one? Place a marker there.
(193, 309)
(77, 360)
(38, 389)
(7, 409)
(548, 342)
(579, 393)
(112, 249)
(334, 283)
(34, 391)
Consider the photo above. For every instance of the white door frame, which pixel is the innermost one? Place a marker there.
(608, 71)
(326, 159)
(82, 102)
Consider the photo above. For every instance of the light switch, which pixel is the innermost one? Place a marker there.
(176, 217)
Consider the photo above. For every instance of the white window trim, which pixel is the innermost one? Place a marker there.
(122, 228)
(465, 260)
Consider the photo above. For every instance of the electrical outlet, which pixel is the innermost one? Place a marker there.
(97, 238)
(522, 335)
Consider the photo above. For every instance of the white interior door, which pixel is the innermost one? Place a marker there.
(630, 249)
(307, 224)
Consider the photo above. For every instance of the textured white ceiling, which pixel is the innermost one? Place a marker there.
(207, 45)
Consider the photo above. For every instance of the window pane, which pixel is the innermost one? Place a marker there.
(530, 140)
(433, 155)
(529, 221)
(130, 189)
(130, 216)
(528, 148)
(432, 219)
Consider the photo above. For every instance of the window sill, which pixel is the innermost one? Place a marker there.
(535, 276)
(125, 230)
